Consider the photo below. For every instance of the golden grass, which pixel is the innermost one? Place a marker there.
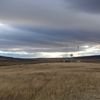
(62, 81)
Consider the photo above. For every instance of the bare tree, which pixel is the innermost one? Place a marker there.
(71, 57)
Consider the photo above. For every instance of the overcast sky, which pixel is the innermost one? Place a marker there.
(49, 28)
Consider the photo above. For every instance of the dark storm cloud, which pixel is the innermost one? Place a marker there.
(92, 6)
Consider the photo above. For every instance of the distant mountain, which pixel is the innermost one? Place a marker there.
(95, 58)
(14, 61)
(10, 60)
(90, 57)
(5, 58)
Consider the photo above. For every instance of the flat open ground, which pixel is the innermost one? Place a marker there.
(50, 81)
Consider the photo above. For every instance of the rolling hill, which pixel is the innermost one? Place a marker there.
(13, 61)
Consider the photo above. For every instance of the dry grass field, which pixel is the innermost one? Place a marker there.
(50, 81)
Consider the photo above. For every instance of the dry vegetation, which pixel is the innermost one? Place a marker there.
(62, 81)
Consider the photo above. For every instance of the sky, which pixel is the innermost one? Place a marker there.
(49, 28)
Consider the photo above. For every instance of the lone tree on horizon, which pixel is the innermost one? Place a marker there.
(71, 57)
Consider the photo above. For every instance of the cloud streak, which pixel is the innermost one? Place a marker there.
(35, 26)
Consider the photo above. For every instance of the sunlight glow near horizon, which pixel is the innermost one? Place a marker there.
(95, 50)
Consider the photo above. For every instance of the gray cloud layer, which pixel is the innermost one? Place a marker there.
(49, 25)
(48, 13)
(92, 6)
(43, 39)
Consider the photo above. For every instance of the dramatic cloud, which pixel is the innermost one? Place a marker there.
(49, 28)
(44, 38)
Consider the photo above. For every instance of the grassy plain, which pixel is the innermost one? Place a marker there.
(50, 81)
